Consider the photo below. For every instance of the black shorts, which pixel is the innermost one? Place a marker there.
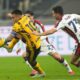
(32, 54)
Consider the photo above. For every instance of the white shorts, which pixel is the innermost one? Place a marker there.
(48, 48)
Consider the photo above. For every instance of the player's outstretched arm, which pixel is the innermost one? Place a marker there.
(51, 31)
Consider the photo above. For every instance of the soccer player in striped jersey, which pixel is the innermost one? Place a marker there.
(23, 27)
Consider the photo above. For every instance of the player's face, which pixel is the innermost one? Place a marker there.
(30, 16)
(55, 15)
(15, 17)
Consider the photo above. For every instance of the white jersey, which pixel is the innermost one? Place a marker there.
(71, 25)
(46, 46)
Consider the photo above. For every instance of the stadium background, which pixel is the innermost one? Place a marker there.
(42, 10)
(14, 68)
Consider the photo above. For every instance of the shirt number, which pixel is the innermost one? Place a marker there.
(73, 22)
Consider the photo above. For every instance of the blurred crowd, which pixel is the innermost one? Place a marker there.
(9, 5)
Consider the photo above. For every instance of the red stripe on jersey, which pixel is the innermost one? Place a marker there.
(43, 29)
(39, 23)
(56, 24)
(69, 32)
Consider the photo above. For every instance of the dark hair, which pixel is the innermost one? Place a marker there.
(17, 12)
(29, 12)
(58, 9)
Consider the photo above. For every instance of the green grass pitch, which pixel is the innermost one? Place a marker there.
(14, 68)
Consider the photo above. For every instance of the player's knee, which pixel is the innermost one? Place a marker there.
(24, 54)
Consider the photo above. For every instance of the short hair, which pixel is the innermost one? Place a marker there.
(29, 12)
(17, 12)
(58, 9)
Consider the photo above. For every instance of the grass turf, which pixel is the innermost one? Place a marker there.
(14, 68)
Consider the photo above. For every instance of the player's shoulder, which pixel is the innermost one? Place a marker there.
(66, 16)
(24, 19)
(37, 21)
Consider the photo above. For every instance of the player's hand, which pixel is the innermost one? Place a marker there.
(36, 33)
(18, 51)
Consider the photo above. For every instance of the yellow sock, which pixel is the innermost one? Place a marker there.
(2, 41)
(38, 68)
(12, 43)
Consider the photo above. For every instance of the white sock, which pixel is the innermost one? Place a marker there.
(65, 63)
(29, 65)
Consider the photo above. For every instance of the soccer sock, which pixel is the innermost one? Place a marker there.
(38, 68)
(29, 65)
(25, 58)
(65, 63)
(12, 43)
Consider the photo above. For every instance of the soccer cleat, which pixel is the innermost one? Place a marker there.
(42, 75)
(72, 73)
(39, 75)
(34, 72)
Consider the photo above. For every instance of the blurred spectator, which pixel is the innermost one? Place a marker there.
(11, 4)
(24, 5)
(14, 4)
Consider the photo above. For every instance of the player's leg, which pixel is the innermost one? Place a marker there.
(76, 56)
(24, 55)
(9, 38)
(10, 41)
(32, 60)
(53, 53)
(75, 61)
(9, 47)
(4, 42)
(61, 60)
(13, 38)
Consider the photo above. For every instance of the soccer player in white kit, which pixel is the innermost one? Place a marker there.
(68, 23)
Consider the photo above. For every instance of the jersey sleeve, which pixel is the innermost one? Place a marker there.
(76, 16)
(17, 27)
(39, 26)
(61, 25)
